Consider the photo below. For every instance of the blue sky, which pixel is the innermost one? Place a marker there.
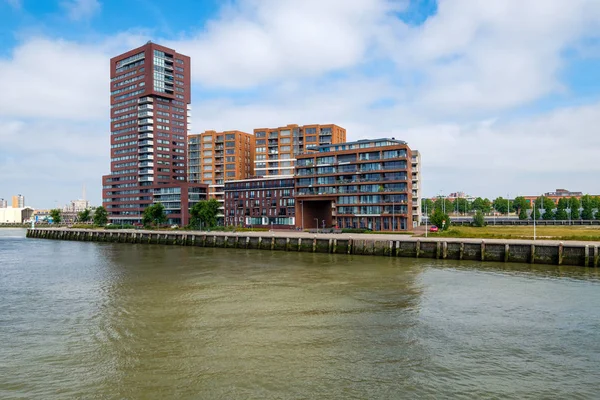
(501, 97)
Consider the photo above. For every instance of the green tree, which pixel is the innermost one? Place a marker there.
(587, 213)
(443, 204)
(523, 214)
(478, 219)
(154, 215)
(535, 213)
(56, 215)
(484, 205)
(100, 216)
(548, 214)
(84, 216)
(574, 205)
(500, 204)
(561, 210)
(520, 203)
(440, 219)
(427, 204)
(204, 214)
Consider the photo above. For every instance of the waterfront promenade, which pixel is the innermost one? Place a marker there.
(500, 250)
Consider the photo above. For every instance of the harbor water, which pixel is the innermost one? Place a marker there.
(122, 321)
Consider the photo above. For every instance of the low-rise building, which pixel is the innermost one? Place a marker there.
(365, 184)
(15, 215)
(263, 202)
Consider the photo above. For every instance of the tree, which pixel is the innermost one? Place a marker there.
(523, 214)
(427, 204)
(154, 215)
(479, 219)
(440, 219)
(443, 204)
(535, 213)
(587, 213)
(463, 205)
(520, 203)
(548, 214)
(204, 214)
(587, 204)
(500, 205)
(483, 205)
(574, 205)
(56, 215)
(84, 216)
(561, 210)
(100, 216)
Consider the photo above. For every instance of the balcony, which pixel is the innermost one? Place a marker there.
(146, 150)
(145, 128)
(146, 136)
(146, 157)
(144, 114)
(146, 164)
(146, 121)
(146, 172)
(146, 179)
(145, 100)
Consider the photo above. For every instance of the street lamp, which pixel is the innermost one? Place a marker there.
(533, 219)
(426, 219)
(393, 215)
(317, 219)
(508, 206)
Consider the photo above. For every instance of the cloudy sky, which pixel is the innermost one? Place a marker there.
(502, 97)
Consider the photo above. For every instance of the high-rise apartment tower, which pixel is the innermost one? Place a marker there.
(149, 110)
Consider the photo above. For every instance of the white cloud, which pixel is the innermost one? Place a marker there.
(266, 40)
(78, 10)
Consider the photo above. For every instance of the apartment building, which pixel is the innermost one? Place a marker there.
(217, 157)
(362, 184)
(276, 148)
(262, 202)
(150, 118)
(18, 201)
(416, 189)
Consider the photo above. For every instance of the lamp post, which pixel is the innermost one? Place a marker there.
(533, 219)
(426, 219)
(317, 219)
(302, 213)
(508, 205)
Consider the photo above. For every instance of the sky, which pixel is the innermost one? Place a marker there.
(501, 97)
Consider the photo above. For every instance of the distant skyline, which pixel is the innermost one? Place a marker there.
(501, 97)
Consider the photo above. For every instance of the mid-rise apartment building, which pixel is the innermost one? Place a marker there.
(276, 148)
(18, 201)
(261, 202)
(3, 203)
(363, 184)
(150, 111)
(416, 188)
(217, 157)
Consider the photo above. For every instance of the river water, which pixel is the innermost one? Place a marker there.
(120, 321)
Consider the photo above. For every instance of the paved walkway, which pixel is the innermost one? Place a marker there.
(367, 236)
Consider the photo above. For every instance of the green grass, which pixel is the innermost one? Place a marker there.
(583, 233)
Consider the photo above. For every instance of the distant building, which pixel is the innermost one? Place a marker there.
(556, 195)
(15, 215)
(276, 148)
(18, 201)
(77, 205)
(3, 203)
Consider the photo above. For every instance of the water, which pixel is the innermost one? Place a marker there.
(95, 320)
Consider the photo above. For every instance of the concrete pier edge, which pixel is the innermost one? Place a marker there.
(558, 253)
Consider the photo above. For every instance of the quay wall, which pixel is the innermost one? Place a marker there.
(560, 253)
